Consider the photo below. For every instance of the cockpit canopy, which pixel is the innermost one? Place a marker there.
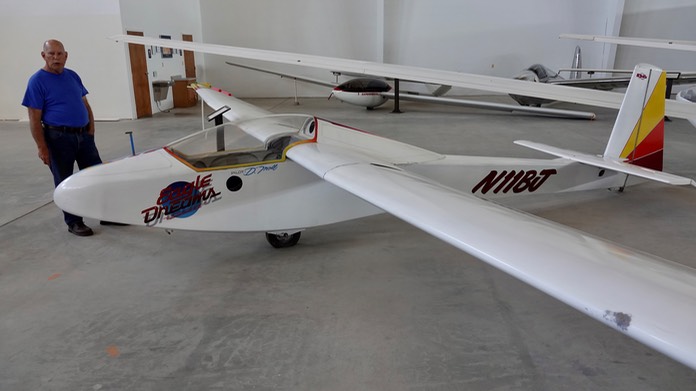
(248, 142)
(364, 85)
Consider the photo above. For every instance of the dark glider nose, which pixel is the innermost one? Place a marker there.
(364, 84)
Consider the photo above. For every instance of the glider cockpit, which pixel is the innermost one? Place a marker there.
(250, 142)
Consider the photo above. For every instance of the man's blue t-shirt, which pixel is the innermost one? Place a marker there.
(59, 97)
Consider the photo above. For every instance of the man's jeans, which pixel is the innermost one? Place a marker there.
(67, 148)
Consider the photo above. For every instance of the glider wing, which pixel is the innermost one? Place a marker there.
(620, 287)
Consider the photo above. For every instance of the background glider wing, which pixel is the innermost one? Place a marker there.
(285, 75)
(631, 41)
(599, 83)
(649, 299)
(424, 75)
(495, 106)
(607, 83)
(436, 98)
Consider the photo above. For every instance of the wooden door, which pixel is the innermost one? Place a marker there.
(141, 80)
(189, 60)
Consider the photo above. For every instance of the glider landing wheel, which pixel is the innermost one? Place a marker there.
(283, 240)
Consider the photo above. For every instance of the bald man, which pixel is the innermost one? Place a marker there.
(61, 121)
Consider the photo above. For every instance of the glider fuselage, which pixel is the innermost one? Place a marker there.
(191, 186)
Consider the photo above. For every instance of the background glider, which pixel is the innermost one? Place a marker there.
(423, 75)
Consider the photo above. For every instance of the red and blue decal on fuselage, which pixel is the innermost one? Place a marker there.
(181, 199)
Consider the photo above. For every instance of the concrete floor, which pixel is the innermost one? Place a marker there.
(371, 304)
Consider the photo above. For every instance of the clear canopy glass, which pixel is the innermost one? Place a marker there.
(248, 142)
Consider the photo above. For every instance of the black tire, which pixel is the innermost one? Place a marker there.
(283, 240)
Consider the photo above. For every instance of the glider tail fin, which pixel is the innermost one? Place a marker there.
(637, 140)
(638, 134)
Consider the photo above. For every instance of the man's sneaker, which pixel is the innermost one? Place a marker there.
(80, 229)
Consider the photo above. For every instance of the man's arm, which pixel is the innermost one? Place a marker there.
(90, 114)
(38, 134)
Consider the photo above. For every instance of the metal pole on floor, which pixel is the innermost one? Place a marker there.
(130, 135)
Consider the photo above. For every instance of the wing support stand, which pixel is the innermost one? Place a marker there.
(396, 97)
(217, 117)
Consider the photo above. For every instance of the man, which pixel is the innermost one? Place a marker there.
(61, 121)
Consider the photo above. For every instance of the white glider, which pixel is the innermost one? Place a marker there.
(280, 174)
(371, 92)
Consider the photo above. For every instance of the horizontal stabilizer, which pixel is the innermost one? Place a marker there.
(609, 164)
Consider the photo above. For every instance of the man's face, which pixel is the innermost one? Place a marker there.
(55, 56)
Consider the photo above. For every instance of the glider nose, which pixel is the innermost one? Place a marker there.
(109, 191)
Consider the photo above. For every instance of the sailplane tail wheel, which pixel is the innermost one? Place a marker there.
(283, 240)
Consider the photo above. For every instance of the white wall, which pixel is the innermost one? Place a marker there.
(163, 17)
(658, 19)
(82, 26)
(350, 29)
(490, 37)
(493, 37)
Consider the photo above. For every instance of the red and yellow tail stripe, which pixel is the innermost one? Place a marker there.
(645, 145)
(638, 134)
